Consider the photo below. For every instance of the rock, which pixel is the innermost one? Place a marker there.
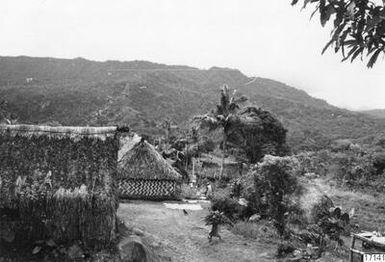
(131, 249)
(75, 252)
(255, 218)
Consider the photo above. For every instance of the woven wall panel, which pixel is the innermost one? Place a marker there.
(147, 189)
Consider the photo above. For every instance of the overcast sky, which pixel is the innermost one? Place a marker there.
(266, 38)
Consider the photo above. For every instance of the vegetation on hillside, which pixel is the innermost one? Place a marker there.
(82, 92)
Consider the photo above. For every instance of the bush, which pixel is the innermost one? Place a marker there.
(189, 192)
(379, 162)
(222, 202)
(274, 182)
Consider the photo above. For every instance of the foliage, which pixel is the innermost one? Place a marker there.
(259, 133)
(253, 130)
(222, 202)
(73, 91)
(358, 26)
(352, 165)
(379, 162)
(217, 218)
(5, 115)
(223, 117)
(274, 181)
(314, 162)
(262, 229)
(188, 192)
(331, 225)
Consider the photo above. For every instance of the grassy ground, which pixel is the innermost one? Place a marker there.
(369, 207)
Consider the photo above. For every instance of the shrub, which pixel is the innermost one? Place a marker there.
(222, 202)
(379, 162)
(314, 162)
(189, 192)
(274, 183)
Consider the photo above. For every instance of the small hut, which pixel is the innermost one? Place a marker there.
(144, 174)
(58, 182)
(207, 166)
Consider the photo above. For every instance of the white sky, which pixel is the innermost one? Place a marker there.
(266, 38)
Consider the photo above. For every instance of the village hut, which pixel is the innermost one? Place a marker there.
(144, 174)
(58, 183)
(207, 166)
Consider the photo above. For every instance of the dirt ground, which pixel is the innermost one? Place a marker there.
(184, 237)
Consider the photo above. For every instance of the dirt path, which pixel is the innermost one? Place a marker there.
(184, 237)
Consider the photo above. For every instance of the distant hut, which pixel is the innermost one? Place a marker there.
(207, 166)
(58, 183)
(145, 174)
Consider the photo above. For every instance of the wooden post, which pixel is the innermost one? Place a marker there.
(352, 247)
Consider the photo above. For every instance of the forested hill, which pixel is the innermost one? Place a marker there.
(83, 92)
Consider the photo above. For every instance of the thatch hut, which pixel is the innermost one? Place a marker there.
(58, 182)
(144, 174)
(207, 166)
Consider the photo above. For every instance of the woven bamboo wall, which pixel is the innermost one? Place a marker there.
(148, 189)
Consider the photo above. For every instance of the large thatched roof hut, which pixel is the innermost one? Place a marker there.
(60, 182)
(145, 174)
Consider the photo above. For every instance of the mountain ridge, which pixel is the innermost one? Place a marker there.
(141, 93)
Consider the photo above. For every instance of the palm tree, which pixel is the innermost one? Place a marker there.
(223, 117)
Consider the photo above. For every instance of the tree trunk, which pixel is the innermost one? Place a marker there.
(223, 155)
(193, 171)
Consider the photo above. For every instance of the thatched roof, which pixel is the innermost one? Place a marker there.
(144, 162)
(127, 143)
(58, 132)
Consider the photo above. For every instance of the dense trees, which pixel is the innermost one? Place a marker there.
(250, 132)
(258, 133)
(358, 26)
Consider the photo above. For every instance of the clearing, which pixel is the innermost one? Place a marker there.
(184, 237)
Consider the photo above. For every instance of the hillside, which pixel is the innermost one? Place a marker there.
(378, 113)
(141, 94)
